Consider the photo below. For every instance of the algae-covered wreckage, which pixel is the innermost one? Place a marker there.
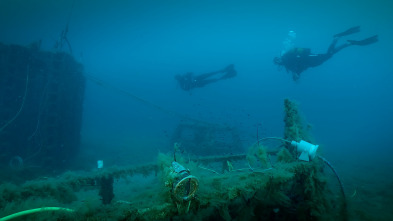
(41, 98)
(287, 191)
(262, 184)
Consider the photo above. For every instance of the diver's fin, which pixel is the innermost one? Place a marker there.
(366, 41)
(229, 68)
(350, 31)
(229, 72)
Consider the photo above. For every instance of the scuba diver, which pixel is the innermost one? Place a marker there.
(297, 60)
(189, 81)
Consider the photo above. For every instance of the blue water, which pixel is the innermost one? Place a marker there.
(139, 46)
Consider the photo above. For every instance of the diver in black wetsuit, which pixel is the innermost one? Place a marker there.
(189, 81)
(297, 60)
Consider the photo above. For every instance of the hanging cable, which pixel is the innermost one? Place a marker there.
(23, 102)
(141, 100)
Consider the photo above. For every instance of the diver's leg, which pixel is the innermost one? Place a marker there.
(332, 46)
(318, 59)
(202, 83)
(333, 49)
(202, 77)
(350, 31)
(339, 48)
(229, 72)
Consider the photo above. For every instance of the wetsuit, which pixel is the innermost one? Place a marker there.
(189, 81)
(298, 60)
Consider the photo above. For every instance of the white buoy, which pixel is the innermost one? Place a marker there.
(308, 150)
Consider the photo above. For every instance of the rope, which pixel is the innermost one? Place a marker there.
(31, 211)
(271, 138)
(335, 173)
(142, 101)
(21, 106)
(344, 208)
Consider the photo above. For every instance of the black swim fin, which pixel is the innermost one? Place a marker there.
(366, 41)
(230, 72)
(350, 31)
